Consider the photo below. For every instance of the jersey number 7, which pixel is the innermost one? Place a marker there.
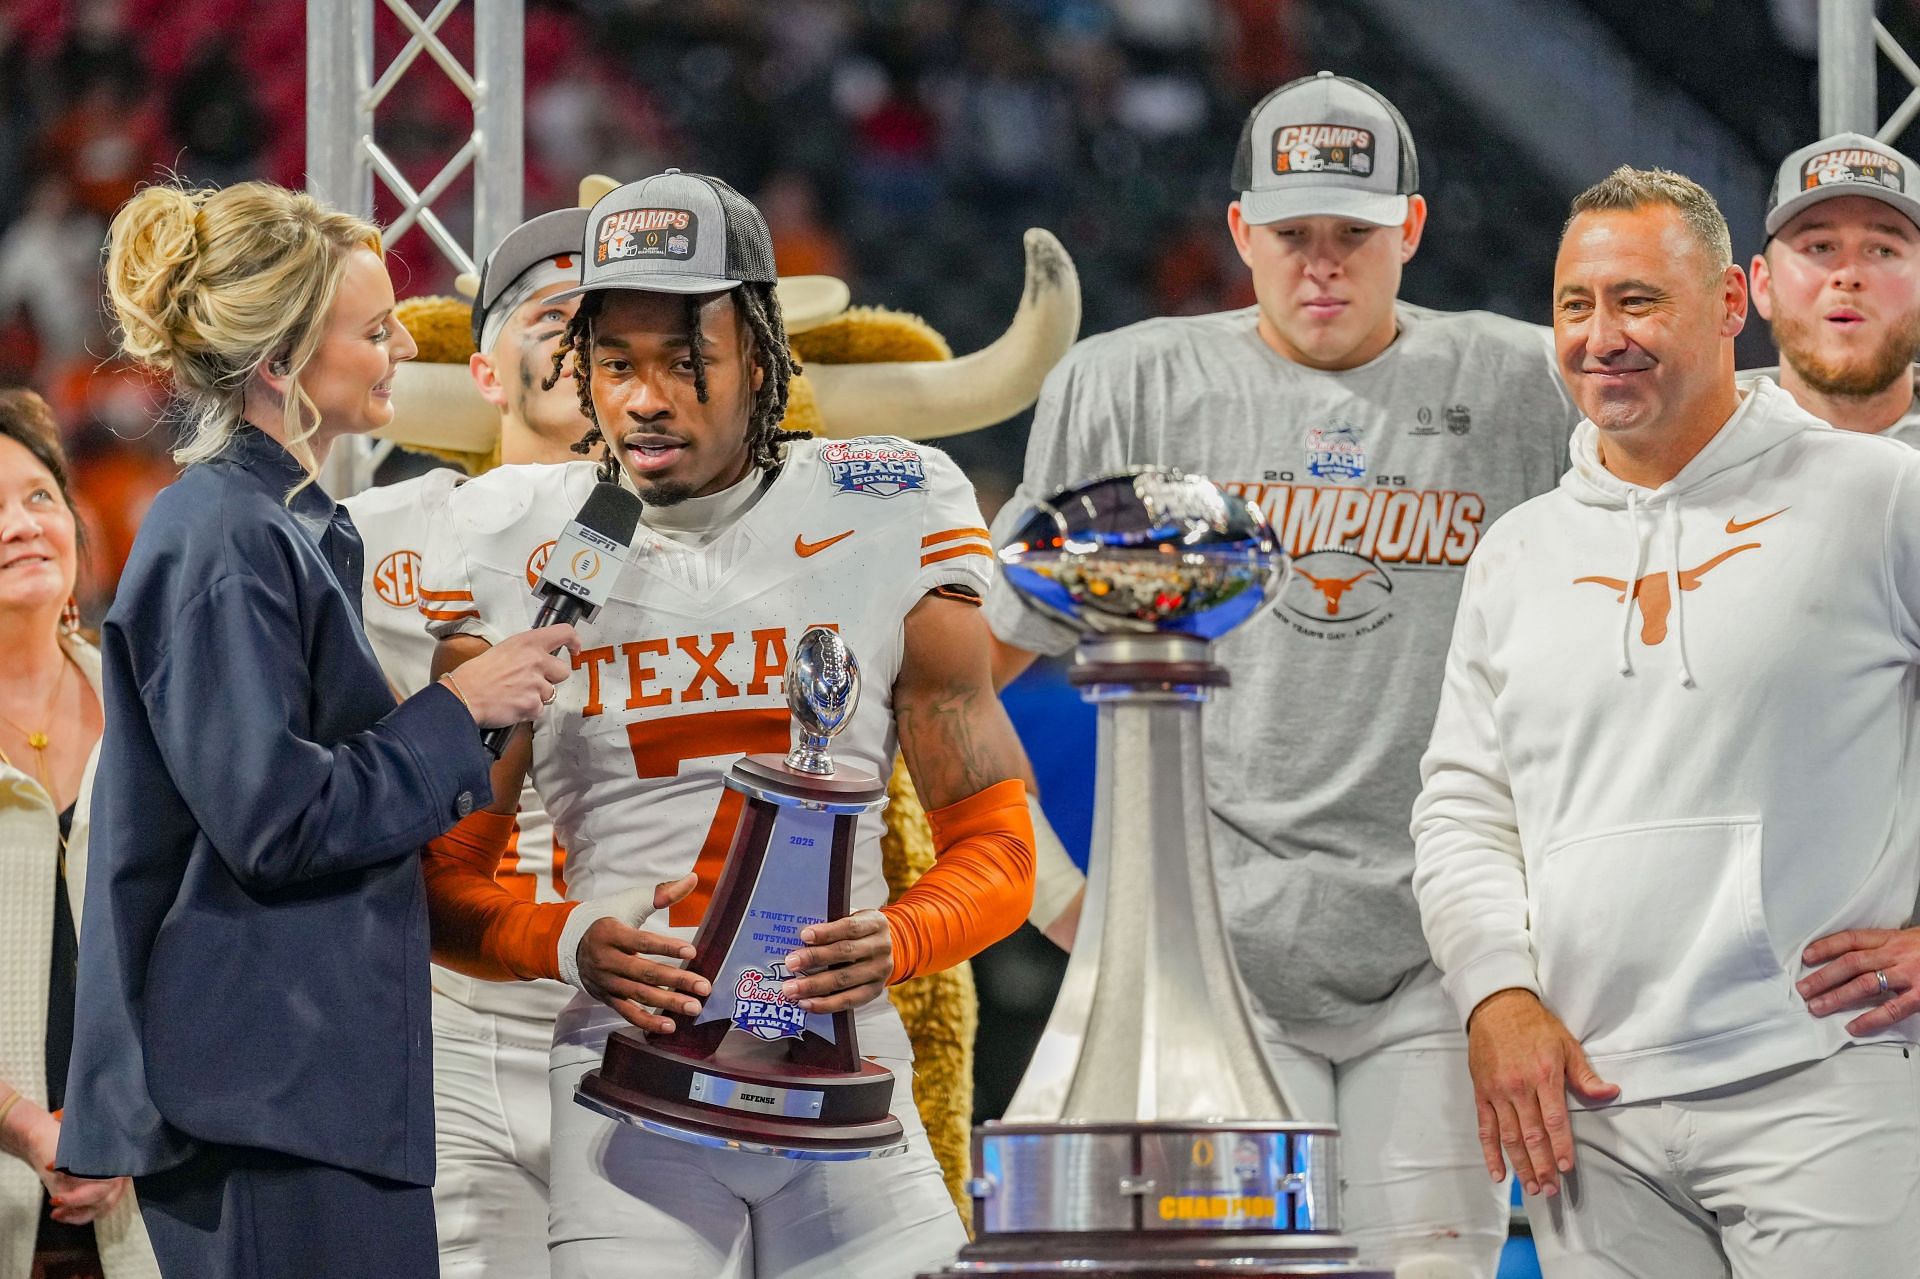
(659, 747)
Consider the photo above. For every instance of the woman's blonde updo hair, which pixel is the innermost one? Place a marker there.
(211, 286)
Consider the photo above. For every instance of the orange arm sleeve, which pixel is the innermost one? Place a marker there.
(479, 928)
(979, 888)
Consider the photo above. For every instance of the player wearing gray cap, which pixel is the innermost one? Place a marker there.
(748, 535)
(1381, 439)
(490, 1038)
(1839, 281)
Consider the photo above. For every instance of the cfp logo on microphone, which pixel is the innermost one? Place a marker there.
(584, 566)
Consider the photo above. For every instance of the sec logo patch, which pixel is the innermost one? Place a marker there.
(396, 579)
(537, 562)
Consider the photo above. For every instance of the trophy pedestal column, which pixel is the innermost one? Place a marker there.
(1148, 1138)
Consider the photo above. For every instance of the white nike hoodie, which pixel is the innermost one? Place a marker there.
(1643, 804)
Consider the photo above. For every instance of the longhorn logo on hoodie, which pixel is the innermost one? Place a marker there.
(1654, 592)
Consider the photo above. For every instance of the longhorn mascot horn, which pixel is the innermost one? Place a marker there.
(437, 407)
(926, 400)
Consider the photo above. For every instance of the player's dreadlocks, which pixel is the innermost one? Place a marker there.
(759, 308)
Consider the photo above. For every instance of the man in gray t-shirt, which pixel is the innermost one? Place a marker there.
(1381, 439)
(1838, 280)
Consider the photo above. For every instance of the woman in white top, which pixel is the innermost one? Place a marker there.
(50, 722)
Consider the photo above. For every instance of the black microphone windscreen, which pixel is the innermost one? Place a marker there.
(610, 511)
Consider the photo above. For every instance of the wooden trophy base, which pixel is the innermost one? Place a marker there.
(766, 1107)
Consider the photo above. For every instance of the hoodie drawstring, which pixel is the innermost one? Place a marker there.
(1631, 593)
(1632, 580)
(1679, 608)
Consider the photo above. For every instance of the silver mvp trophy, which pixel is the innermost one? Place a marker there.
(1148, 1138)
(752, 1070)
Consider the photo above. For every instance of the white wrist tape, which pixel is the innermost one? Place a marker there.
(629, 906)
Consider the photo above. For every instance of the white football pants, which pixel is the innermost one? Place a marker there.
(1414, 1192)
(491, 1144)
(631, 1204)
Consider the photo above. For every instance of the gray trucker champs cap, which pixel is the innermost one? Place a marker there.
(1325, 145)
(675, 233)
(1844, 164)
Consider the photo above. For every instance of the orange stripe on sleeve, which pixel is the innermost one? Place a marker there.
(953, 552)
(948, 535)
(979, 888)
(446, 595)
(442, 615)
(479, 927)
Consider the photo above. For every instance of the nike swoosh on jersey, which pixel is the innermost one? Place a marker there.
(803, 548)
(1738, 526)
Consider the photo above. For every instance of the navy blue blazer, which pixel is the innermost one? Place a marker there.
(253, 959)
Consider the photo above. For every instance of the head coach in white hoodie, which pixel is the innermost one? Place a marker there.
(1677, 746)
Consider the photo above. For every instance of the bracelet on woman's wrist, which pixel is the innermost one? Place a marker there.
(454, 688)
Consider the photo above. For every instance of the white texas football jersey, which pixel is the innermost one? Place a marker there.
(681, 672)
(393, 521)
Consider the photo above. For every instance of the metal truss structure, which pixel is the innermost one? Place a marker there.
(1851, 38)
(345, 156)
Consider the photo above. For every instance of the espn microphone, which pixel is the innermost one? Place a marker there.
(581, 571)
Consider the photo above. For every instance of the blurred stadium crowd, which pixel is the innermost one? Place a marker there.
(900, 144)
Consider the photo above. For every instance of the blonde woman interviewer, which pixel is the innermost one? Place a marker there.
(49, 727)
(251, 1037)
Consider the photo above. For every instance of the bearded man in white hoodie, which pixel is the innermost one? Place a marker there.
(1677, 747)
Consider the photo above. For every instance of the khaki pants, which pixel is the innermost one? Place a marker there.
(1813, 1170)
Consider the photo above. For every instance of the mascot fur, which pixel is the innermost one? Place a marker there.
(866, 371)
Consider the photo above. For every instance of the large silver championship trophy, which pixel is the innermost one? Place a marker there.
(1148, 1137)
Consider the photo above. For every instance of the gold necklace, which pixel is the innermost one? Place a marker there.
(39, 740)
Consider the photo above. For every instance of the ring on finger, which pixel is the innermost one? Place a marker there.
(1885, 987)
(552, 691)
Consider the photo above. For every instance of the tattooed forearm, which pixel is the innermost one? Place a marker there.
(954, 732)
(951, 744)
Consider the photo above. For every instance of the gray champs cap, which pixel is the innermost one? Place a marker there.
(1844, 164)
(675, 233)
(1325, 145)
(539, 252)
